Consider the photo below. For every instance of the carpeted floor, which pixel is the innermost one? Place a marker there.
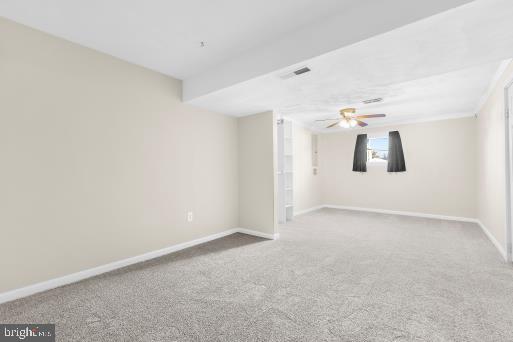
(334, 275)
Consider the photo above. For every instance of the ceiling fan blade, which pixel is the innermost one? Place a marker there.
(328, 119)
(368, 116)
(361, 123)
(333, 124)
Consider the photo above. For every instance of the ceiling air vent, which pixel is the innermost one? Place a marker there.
(302, 71)
(295, 73)
(377, 99)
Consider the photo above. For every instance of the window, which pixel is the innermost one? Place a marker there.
(377, 150)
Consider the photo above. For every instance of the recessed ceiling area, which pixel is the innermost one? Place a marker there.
(450, 95)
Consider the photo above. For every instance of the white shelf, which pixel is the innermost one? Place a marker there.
(286, 165)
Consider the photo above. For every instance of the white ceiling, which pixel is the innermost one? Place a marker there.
(436, 67)
(165, 35)
(450, 95)
(362, 20)
(439, 66)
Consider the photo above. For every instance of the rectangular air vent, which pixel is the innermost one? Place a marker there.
(377, 99)
(302, 71)
(295, 73)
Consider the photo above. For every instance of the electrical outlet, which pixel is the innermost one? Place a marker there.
(190, 217)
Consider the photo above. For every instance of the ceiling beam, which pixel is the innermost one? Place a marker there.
(365, 19)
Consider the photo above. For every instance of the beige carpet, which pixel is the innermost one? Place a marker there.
(334, 275)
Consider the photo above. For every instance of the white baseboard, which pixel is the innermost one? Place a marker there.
(496, 243)
(301, 212)
(403, 213)
(257, 233)
(74, 277)
(386, 211)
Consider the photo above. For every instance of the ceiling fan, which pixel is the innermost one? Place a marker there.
(349, 119)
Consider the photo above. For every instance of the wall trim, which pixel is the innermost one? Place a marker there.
(301, 212)
(386, 211)
(493, 240)
(268, 236)
(91, 272)
(403, 213)
(507, 151)
(496, 243)
(494, 82)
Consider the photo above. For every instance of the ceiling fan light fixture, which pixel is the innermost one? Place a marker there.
(349, 119)
(344, 124)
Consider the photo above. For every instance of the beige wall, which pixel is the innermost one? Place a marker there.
(307, 189)
(491, 191)
(100, 160)
(440, 178)
(256, 172)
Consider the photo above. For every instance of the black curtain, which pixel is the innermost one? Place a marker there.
(395, 153)
(360, 154)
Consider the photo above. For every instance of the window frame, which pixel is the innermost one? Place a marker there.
(377, 135)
